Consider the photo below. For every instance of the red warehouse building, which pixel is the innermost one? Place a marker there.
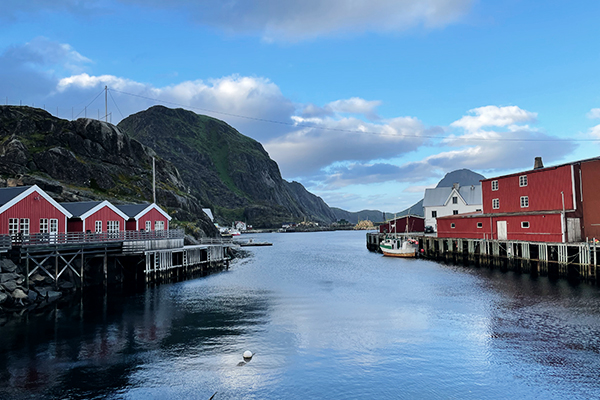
(554, 204)
(95, 216)
(399, 225)
(146, 217)
(28, 210)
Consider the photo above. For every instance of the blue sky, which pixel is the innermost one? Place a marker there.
(371, 101)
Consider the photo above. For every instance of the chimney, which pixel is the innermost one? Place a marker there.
(455, 186)
(537, 164)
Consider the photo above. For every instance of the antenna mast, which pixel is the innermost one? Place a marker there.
(106, 103)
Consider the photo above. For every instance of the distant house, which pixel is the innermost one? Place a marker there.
(95, 216)
(444, 201)
(239, 225)
(145, 217)
(28, 210)
(414, 223)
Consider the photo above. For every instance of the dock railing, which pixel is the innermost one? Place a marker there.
(45, 239)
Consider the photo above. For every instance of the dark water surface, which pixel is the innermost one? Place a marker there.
(327, 320)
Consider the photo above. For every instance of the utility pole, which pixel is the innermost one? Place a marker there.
(106, 103)
(153, 182)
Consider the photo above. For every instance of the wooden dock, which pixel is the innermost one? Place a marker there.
(102, 259)
(559, 260)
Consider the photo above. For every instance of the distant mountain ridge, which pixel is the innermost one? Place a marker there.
(464, 177)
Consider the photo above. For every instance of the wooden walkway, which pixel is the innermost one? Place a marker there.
(566, 260)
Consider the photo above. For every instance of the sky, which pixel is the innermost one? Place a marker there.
(364, 102)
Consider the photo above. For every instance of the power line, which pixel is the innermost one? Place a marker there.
(85, 108)
(304, 125)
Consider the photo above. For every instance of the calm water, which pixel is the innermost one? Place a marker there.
(327, 320)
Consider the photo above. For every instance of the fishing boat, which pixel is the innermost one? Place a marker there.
(395, 246)
(399, 247)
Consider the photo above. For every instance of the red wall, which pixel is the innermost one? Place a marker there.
(104, 214)
(75, 225)
(590, 177)
(543, 188)
(542, 227)
(152, 215)
(414, 225)
(33, 207)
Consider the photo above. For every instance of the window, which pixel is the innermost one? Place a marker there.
(98, 227)
(455, 200)
(480, 224)
(53, 225)
(496, 204)
(524, 201)
(494, 185)
(148, 226)
(524, 224)
(24, 226)
(112, 226)
(13, 226)
(523, 180)
(434, 214)
(159, 225)
(454, 212)
(452, 226)
(43, 225)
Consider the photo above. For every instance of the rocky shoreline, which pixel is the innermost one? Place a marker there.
(15, 296)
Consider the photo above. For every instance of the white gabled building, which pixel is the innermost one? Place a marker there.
(443, 201)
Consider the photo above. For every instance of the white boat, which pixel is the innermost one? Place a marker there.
(399, 247)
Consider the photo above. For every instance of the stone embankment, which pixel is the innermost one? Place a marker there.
(14, 294)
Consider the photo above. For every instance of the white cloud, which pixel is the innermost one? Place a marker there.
(595, 131)
(294, 20)
(594, 113)
(494, 116)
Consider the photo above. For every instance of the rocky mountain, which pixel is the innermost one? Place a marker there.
(229, 172)
(90, 160)
(465, 177)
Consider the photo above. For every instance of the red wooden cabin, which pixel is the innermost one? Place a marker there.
(95, 216)
(415, 224)
(28, 210)
(146, 217)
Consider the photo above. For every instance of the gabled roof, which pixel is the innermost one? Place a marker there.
(471, 194)
(12, 195)
(83, 209)
(136, 211)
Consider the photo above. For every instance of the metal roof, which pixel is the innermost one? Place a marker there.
(9, 193)
(132, 209)
(78, 208)
(471, 194)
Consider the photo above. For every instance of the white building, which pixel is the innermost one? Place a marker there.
(442, 201)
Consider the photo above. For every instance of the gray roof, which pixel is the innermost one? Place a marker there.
(132, 209)
(78, 208)
(9, 193)
(438, 196)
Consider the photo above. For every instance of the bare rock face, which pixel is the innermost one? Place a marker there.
(89, 160)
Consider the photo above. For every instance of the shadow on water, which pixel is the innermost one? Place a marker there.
(90, 347)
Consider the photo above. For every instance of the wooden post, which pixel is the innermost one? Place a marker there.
(81, 271)
(56, 270)
(27, 270)
(105, 264)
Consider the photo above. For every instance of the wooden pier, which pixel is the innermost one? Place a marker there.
(89, 259)
(557, 260)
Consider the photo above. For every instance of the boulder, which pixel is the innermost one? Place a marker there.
(8, 266)
(66, 285)
(37, 278)
(18, 294)
(3, 297)
(32, 296)
(52, 295)
(10, 285)
(8, 276)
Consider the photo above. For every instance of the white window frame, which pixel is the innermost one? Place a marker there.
(495, 185)
(495, 204)
(112, 226)
(53, 226)
(148, 226)
(24, 226)
(523, 180)
(523, 223)
(13, 226)
(480, 225)
(454, 212)
(524, 201)
(454, 199)
(434, 214)
(44, 226)
(97, 226)
(452, 225)
(159, 225)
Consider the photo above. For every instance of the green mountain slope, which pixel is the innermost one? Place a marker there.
(230, 173)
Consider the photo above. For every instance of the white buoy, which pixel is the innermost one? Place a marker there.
(247, 355)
